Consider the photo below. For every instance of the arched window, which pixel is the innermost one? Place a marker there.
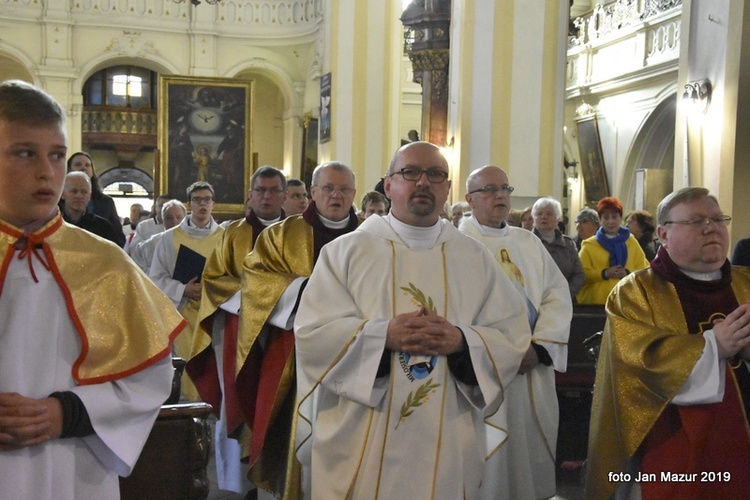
(127, 86)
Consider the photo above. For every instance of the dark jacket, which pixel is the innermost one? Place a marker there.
(94, 224)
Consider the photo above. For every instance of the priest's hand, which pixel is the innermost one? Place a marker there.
(27, 421)
(423, 333)
(733, 332)
(193, 290)
(529, 361)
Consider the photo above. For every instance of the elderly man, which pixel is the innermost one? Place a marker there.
(525, 466)
(178, 262)
(672, 390)
(148, 227)
(296, 197)
(279, 265)
(406, 335)
(77, 194)
(212, 363)
(173, 212)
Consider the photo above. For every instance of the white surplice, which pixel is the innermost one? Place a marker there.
(417, 432)
(525, 466)
(39, 363)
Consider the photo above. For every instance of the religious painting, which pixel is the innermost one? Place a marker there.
(309, 150)
(325, 108)
(595, 180)
(204, 135)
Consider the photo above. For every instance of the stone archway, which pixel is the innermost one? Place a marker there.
(123, 174)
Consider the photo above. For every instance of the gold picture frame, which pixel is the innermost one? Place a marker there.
(595, 179)
(205, 134)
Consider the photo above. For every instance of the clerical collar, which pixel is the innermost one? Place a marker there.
(713, 275)
(268, 222)
(191, 223)
(416, 238)
(334, 224)
(494, 231)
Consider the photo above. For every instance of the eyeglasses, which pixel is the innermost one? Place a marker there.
(200, 200)
(702, 222)
(434, 175)
(493, 189)
(262, 191)
(343, 191)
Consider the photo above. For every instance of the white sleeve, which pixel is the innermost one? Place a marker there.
(123, 412)
(705, 384)
(232, 304)
(160, 272)
(282, 315)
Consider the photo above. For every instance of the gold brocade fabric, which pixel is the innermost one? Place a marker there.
(282, 253)
(124, 321)
(645, 357)
(222, 277)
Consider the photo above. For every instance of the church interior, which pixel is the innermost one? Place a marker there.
(576, 100)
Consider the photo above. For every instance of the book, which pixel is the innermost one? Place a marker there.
(189, 265)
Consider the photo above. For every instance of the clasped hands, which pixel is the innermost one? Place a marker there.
(733, 333)
(193, 290)
(28, 421)
(424, 333)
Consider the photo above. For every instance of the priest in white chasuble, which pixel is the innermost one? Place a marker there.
(525, 466)
(406, 335)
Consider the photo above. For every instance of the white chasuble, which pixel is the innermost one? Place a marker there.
(417, 431)
(525, 466)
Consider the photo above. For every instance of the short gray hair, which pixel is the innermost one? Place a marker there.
(170, 204)
(333, 165)
(546, 202)
(684, 195)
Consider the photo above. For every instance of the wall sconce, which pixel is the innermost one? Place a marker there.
(571, 172)
(697, 95)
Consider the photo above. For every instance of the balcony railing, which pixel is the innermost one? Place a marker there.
(112, 120)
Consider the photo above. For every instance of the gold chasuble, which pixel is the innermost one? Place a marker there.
(222, 278)
(183, 343)
(121, 333)
(649, 350)
(266, 382)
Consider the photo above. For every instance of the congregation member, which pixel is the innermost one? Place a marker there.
(212, 360)
(374, 203)
(81, 383)
(192, 241)
(296, 197)
(173, 212)
(274, 276)
(100, 204)
(458, 210)
(128, 228)
(547, 212)
(608, 256)
(587, 223)
(525, 466)
(527, 220)
(406, 335)
(672, 392)
(640, 223)
(146, 228)
(76, 195)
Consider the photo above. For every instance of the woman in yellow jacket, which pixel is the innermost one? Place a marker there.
(609, 255)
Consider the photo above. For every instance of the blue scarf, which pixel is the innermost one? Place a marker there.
(618, 251)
